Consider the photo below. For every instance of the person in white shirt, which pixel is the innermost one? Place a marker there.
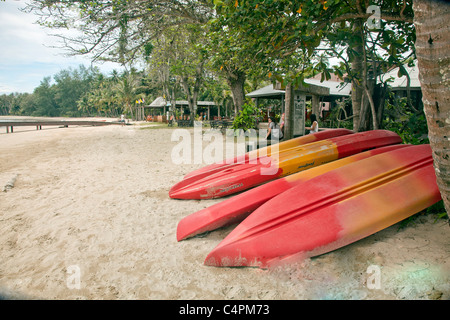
(274, 132)
(314, 124)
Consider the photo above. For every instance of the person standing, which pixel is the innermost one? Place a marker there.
(314, 124)
(282, 124)
(274, 132)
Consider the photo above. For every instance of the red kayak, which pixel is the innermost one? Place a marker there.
(333, 210)
(238, 207)
(266, 151)
(293, 160)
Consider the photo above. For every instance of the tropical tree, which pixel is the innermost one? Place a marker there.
(116, 30)
(6, 103)
(124, 31)
(120, 31)
(44, 100)
(225, 54)
(69, 85)
(101, 99)
(277, 30)
(159, 66)
(216, 89)
(188, 59)
(126, 90)
(431, 18)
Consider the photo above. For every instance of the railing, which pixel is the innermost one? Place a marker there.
(10, 124)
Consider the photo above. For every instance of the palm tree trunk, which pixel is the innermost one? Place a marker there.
(431, 19)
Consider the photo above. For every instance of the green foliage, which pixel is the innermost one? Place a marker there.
(246, 118)
(437, 210)
(78, 92)
(410, 125)
(10, 104)
(44, 100)
(69, 86)
(53, 98)
(339, 117)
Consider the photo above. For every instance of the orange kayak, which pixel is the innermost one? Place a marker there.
(333, 210)
(238, 207)
(293, 160)
(266, 151)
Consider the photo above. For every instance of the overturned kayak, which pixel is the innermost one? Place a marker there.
(264, 169)
(238, 207)
(265, 151)
(333, 210)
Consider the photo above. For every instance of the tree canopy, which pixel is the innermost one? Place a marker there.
(181, 43)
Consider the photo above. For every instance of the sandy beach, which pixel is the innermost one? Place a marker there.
(87, 216)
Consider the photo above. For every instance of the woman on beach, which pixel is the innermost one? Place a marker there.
(274, 131)
(314, 124)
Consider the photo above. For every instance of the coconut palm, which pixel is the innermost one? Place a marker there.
(431, 18)
(125, 89)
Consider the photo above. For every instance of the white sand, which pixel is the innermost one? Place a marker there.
(95, 200)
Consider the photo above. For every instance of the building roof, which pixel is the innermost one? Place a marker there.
(160, 102)
(401, 82)
(266, 92)
(335, 89)
(199, 103)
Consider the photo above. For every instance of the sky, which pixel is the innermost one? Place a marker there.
(26, 56)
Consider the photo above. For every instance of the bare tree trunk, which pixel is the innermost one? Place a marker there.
(236, 80)
(431, 19)
(367, 111)
(380, 96)
(289, 112)
(368, 85)
(357, 67)
(189, 96)
(192, 93)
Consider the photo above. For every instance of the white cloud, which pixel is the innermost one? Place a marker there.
(5, 89)
(26, 54)
(23, 40)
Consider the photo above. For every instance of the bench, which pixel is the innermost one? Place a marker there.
(225, 124)
(220, 124)
(214, 124)
(185, 123)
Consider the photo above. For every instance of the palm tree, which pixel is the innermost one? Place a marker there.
(431, 19)
(126, 90)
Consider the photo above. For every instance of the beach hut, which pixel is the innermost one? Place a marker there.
(399, 84)
(201, 104)
(160, 106)
(321, 101)
(323, 96)
(158, 109)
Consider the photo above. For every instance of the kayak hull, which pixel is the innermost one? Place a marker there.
(333, 210)
(266, 151)
(238, 207)
(293, 160)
